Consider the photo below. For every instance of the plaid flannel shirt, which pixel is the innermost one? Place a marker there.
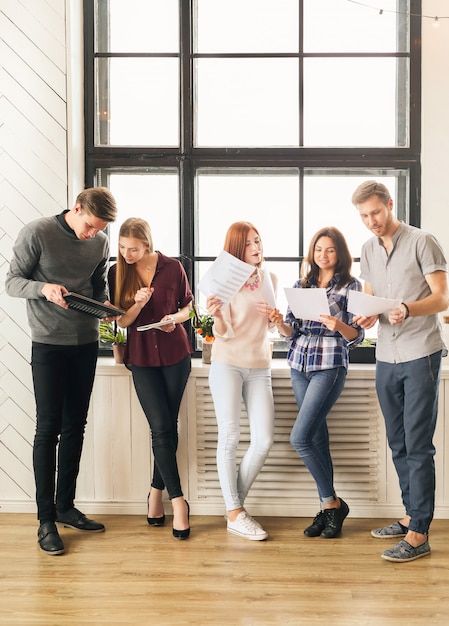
(312, 346)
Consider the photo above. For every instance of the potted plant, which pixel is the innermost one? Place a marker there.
(111, 334)
(365, 352)
(203, 324)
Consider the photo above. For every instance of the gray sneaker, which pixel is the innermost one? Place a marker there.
(403, 552)
(394, 531)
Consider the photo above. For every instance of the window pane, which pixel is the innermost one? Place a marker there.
(355, 102)
(153, 196)
(360, 28)
(247, 26)
(253, 196)
(138, 102)
(247, 102)
(137, 26)
(327, 202)
(280, 100)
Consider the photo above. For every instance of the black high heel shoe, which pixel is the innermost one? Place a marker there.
(183, 534)
(155, 521)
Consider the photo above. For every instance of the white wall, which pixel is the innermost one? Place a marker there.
(41, 171)
(435, 122)
(33, 182)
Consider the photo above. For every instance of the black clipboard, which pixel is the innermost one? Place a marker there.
(90, 307)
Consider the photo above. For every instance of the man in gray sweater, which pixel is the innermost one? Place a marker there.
(54, 255)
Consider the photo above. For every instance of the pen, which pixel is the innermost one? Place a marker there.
(149, 280)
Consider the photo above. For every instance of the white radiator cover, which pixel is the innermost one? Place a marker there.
(115, 466)
(353, 430)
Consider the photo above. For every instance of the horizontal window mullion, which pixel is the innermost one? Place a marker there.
(319, 161)
(135, 55)
(298, 55)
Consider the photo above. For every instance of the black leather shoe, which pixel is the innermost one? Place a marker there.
(317, 526)
(77, 520)
(183, 534)
(49, 540)
(334, 519)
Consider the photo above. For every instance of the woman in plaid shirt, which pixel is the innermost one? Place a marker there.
(318, 359)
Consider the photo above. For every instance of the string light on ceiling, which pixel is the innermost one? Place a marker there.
(436, 18)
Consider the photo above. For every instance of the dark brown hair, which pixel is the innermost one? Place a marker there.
(310, 269)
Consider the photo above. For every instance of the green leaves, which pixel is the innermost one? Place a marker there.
(111, 333)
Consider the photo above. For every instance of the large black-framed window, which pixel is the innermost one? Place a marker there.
(202, 112)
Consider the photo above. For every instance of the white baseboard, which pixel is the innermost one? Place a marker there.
(203, 508)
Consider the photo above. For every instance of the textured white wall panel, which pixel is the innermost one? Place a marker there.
(31, 139)
(41, 25)
(33, 183)
(18, 67)
(15, 202)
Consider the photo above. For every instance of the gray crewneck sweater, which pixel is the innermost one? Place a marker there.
(48, 251)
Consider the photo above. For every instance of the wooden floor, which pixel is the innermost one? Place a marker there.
(134, 574)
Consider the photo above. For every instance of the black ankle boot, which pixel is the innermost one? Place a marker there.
(334, 519)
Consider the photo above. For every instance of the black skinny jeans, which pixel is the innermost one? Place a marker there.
(63, 378)
(160, 391)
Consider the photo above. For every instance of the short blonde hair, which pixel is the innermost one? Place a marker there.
(368, 189)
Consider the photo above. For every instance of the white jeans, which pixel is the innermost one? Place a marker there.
(229, 385)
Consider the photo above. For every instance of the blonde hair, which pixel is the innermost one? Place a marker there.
(368, 189)
(127, 280)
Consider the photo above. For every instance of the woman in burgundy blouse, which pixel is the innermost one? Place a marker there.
(151, 288)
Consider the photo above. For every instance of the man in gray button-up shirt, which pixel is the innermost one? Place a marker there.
(403, 262)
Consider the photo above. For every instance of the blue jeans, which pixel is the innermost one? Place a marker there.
(229, 385)
(63, 377)
(160, 391)
(408, 397)
(315, 394)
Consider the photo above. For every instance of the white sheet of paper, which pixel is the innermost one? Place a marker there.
(225, 277)
(307, 304)
(360, 303)
(155, 325)
(267, 291)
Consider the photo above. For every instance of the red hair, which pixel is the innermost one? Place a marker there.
(236, 238)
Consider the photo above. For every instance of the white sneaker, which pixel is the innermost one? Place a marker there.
(244, 526)
(254, 520)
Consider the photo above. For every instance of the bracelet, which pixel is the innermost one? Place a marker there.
(407, 310)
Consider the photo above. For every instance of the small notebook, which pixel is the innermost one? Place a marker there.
(91, 307)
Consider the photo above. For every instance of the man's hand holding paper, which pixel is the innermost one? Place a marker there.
(365, 305)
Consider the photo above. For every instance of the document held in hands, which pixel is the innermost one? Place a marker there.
(225, 277)
(307, 304)
(267, 291)
(360, 303)
(155, 325)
